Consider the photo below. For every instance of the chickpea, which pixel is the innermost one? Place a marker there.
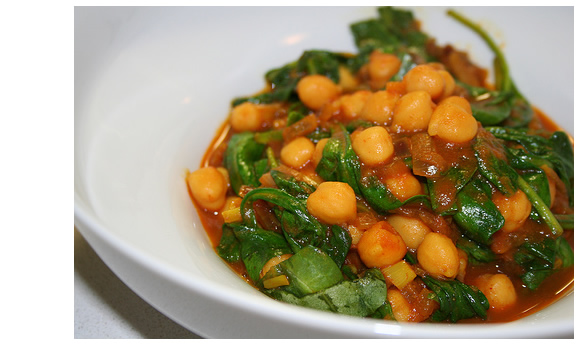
(499, 290)
(412, 230)
(208, 187)
(251, 117)
(425, 78)
(316, 90)
(514, 209)
(297, 153)
(379, 107)
(452, 123)
(318, 150)
(226, 174)
(402, 309)
(403, 186)
(413, 112)
(397, 87)
(381, 246)
(382, 67)
(352, 105)
(463, 261)
(459, 102)
(373, 145)
(332, 202)
(273, 262)
(449, 88)
(438, 255)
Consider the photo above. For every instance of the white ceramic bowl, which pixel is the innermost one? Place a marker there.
(153, 84)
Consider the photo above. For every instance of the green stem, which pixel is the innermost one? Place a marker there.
(541, 207)
(504, 83)
(565, 220)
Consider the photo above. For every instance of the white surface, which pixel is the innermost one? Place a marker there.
(149, 82)
(105, 308)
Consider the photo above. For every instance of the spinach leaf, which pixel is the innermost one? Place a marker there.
(229, 247)
(239, 159)
(257, 246)
(291, 185)
(336, 244)
(457, 301)
(555, 151)
(360, 297)
(394, 31)
(381, 199)
(296, 214)
(492, 162)
(308, 271)
(300, 228)
(339, 162)
(283, 80)
(541, 207)
(507, 97)
(476, 252)
(489, 107)
(538, 181)
(477, 215)
(541, 259)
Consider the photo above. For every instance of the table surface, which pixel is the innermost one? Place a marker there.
(105, 308)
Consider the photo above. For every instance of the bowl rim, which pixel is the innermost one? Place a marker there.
(315, 320)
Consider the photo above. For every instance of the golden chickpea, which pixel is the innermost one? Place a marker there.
(297, 153)
(458, 101)
(403, 186)
(463, 261)
(273, 262)
(351, 105)
(208, 187)
(382, 67)
(438, 255)
(514, 209)
(452, 123)
(499, 290)
(396, 87)
(449, 84)
(248, 117)
(226, 174)
(316, 90)
(332, 202)
(402, 309)
(412, 112)
(373, 145)
(425, 78)
(381, 246)
(412, 230)
(379, 107)
(318, 150)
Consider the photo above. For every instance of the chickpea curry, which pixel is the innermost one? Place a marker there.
(393, 183)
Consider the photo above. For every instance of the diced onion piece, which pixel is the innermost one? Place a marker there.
(275, 282)
(233, 215)
(400, 274)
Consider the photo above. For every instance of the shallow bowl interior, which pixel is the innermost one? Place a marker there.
(152, 86)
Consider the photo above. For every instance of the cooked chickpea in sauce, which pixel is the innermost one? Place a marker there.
(392, 175)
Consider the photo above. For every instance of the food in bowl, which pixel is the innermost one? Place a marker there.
(393, 183)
